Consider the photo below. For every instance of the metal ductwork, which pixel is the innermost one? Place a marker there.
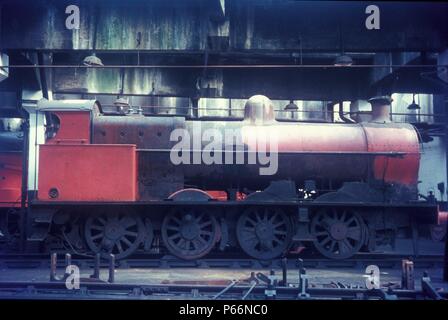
(360, 111)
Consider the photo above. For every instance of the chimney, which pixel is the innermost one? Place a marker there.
(380, 109)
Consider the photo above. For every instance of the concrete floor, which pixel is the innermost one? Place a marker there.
(318, 277)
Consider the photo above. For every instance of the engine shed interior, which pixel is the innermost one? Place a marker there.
(225, 132)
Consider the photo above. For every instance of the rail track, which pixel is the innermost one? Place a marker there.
(58, 290)
(256, 287)
(384, 261)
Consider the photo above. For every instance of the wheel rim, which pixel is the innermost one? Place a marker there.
(115, 233)
(264, 233)
(189, 234)
(338, 233)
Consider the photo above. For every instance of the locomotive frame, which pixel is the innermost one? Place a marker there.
(66, 148)
(43, 214)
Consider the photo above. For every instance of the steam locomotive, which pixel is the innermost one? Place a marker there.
(99, 183)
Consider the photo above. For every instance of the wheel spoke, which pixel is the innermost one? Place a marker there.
(119, 247)
(280, 232)
(97, 236)
(343, 216)
(252, 242)
(174, 236)
(97, 228)
(200, 217)
(325, 241)
(196, 243)
(181, 243)
(342, 232)
(344, 247)
(333, 246)
(189, 238)
(178, 222)
(273, 217)
(281, 223)
(171, 227)
(267, 244)
(127, 222)
(354, 233)
(249, 230)
(349, 221)
(201, 240)
(251, 221)
(205, 224)
(250, 236)
(125, 240)
(264, 233)
(120, 233)
(206, 233)
(131, 233)
(321, 233)
(326, 223)
(265, 215)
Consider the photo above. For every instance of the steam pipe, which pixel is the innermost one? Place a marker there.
(341, 114)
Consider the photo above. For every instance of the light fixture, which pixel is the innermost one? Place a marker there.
(92, 61)
(343, 61)
(413, 105)
(291, 106)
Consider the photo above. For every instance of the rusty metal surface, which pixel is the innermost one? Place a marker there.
(144, 132)
(394, 137)
(157, 176)
(321, 151)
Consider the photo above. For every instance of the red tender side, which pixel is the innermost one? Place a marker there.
(10, 179)
(87, 172)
